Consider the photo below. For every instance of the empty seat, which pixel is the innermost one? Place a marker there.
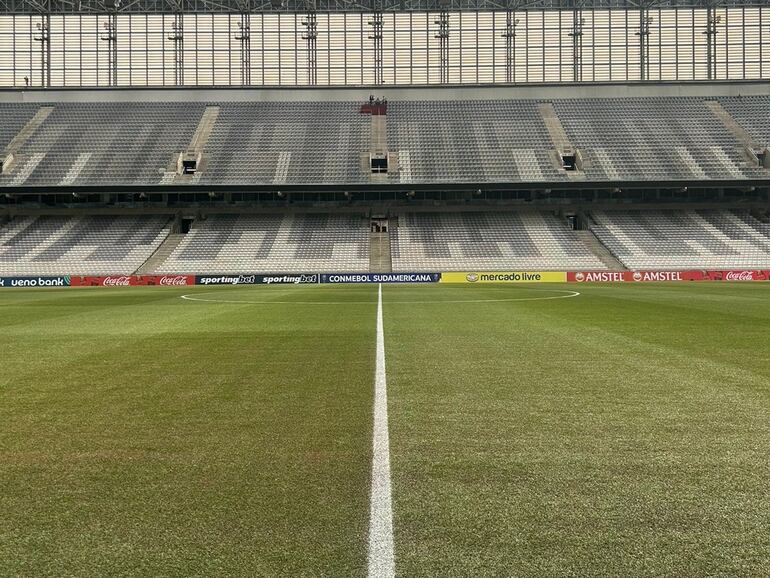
(535, 241)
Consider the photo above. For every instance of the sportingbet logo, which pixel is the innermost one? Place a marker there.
(290, 279)
(229, 280)
(173, 280)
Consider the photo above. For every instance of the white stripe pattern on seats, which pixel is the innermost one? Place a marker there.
(27, 169)
(76, 168)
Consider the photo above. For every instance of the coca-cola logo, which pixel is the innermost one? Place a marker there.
(739, 276)
(173, 280)
(116, 281)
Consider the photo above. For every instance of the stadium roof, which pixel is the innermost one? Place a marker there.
(367, 6)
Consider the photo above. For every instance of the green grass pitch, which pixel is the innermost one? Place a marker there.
(621, 432)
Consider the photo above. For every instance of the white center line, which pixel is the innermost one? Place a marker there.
(381, 559)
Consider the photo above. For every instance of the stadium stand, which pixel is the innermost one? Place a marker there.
(436, 141)
(14, 117)
(63, 245)
(297, 143)
(273, 243)
(105, 143)
(472, 141)
(487, 241)
(692, 239)
(661, 138)
(751, 113)
(419, 241)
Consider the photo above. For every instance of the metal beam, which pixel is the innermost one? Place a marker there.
(55, 7)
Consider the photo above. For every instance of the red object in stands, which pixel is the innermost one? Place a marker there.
(375, 109)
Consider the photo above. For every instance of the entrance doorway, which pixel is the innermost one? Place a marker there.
(379, 225)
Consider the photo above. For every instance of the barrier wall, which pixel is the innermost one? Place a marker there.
(657, 276)
(131, 280)
(481, 277)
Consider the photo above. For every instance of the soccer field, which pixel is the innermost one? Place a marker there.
(550, 430)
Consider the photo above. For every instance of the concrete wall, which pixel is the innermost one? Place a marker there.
(392, 93)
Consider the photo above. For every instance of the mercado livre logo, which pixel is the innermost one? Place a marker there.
(523, 276)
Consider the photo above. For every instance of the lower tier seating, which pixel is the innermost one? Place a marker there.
(691, 239)
(80, 245)
(661, 239)
(536, 241)
(273, 243)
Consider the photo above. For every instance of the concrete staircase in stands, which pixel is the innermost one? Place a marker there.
(601, 252)
(159, 257)
(379, 253)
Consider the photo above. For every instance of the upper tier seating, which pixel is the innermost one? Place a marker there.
(106, 143)
(273, 244)
(278, 143)
(437, 141)
(487, 242)
(674, 239)
(751, 112)
(652, 139)
(472, 141)
(13, 117)
(54, 245)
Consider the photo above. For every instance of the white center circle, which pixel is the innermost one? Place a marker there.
(562, 294)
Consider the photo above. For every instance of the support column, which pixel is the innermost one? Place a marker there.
(577, 45)
(177, 36)
(244, 37)
(311, 35)
(110, 35)
(712, 21)
(443, 40)
(645, 20)
(510, 45)
(376, 35)
(43, 36)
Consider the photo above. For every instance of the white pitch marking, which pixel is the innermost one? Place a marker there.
(381, 559)
(568, 294)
